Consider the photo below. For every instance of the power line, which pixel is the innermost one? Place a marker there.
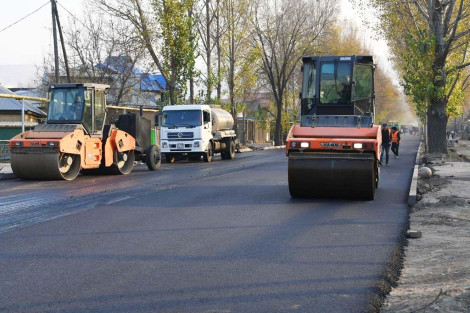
(24, 17)
(77, 19)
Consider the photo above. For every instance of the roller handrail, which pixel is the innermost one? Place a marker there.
(130, 108)
(19, 97)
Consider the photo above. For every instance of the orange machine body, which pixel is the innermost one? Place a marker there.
(335, 139)
(77, 142)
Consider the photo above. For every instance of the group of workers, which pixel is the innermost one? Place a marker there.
(390, 139)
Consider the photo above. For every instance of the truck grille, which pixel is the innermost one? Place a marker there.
(181, 146)
(181, 135)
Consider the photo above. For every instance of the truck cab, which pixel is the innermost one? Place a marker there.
(196, 130)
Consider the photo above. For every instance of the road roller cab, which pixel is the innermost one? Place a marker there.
(334, 152)
(74, 138)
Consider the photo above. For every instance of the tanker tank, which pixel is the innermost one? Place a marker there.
(221, 120)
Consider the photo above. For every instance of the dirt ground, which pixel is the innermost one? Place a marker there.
(436, 270)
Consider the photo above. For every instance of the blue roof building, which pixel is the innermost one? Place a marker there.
(10, 115)
(147, 89)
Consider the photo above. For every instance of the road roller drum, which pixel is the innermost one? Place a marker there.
(50, 165)
(332, 175)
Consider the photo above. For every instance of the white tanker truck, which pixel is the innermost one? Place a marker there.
(196, 130)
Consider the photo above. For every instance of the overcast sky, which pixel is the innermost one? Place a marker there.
(28, 41)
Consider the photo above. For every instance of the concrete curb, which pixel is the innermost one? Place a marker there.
(274, 147)
(414, 182)
(262, 148)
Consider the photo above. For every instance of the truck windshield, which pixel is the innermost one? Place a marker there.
(66, 105)
(183, 118)
(335, 83)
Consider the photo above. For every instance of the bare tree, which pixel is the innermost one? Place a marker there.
(284, 32)
(209, 34)
(164, 28)
(104, 51)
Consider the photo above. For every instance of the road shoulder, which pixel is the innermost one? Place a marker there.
(436, 271)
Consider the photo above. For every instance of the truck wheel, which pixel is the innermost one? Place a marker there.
(208, 155)
(153, 158)
(169, 158)
(230, 150)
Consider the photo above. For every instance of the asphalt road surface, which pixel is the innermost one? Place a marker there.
(198, 237)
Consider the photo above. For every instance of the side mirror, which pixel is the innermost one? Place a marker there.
(158, 119)
(300, 95)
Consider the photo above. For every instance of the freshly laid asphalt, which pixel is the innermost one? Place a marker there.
(198, 237)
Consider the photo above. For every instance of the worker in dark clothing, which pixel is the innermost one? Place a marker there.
(395, 141)
(386, 142)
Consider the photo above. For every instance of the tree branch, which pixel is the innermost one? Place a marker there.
(452, 38)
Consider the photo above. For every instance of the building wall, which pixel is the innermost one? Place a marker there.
(16, 117)
(6, 133)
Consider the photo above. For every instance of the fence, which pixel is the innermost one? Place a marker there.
(4, 151)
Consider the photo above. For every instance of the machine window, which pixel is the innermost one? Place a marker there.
(66, 105)
(309, 81)
(363, 76)
(99, 110)
(335, 83)
(87, 111)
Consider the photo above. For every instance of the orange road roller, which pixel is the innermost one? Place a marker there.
(76, 138)
(335, 151)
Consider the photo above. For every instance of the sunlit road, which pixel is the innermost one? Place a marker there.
(197, 237)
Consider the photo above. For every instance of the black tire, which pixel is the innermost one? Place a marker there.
(377, 175)
(208, 155)
(230, 150)
(122, 165)
(169, 158)
(370, 195)
(153, 158)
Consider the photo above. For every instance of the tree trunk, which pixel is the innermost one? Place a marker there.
(172, 84)
(437, 123)
(208, 55)
(219, 54)
(437, 113)
(191, 74)
(278, 130)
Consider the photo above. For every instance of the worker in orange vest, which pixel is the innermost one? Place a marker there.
(395, 141)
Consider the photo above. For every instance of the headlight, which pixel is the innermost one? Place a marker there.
(196, 144)
(164, 144)
(357, 146)
(297, 144)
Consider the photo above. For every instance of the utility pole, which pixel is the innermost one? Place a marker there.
(54, 34)
(56, 24)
